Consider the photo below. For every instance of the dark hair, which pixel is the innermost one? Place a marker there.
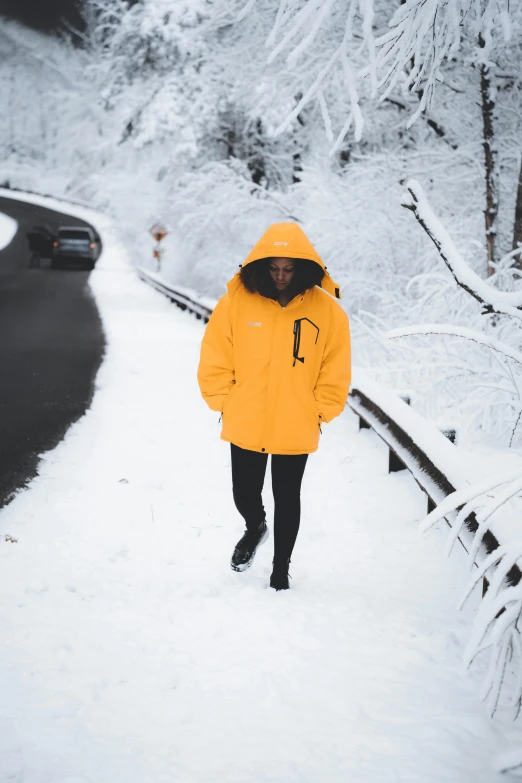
(256, 277)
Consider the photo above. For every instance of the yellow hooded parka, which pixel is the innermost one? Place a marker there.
(275, 372)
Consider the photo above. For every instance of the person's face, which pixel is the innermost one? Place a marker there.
(282, 271)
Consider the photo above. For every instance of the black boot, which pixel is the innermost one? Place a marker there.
(279, 577)
(246, 547)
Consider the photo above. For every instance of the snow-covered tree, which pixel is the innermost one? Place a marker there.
(217, 118)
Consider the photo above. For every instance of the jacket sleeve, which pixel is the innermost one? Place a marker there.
(333, 383)
(216, 362)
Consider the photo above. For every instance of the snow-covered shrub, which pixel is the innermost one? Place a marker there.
(495, 637)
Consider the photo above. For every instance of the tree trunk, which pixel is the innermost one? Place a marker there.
(488, 105)
(517, 228)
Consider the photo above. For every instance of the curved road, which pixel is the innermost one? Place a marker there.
(51, 345)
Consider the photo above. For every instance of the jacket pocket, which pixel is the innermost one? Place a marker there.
(226, 401)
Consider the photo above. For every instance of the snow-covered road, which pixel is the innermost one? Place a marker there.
(129, 651)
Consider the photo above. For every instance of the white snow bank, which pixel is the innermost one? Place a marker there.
(130, 651)
(8, 228)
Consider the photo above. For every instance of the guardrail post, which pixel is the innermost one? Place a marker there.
(395, 463)
(450, 432)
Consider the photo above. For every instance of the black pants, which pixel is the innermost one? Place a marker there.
(248, 476)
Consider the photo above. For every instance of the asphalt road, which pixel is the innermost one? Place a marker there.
(51, 345)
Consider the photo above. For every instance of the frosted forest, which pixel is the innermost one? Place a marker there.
(218, 118)
(391, 131)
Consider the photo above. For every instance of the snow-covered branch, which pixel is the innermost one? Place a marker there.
(461, 496)
(458, 331)
(497, 625)
(509, 762)
(416, 41)
(507, 303)
(424, 34)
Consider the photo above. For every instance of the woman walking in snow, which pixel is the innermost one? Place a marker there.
(275, 361)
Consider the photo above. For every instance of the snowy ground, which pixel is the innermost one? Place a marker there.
(129, 651)
(8, 228)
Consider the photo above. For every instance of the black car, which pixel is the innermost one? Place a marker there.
(75, 243)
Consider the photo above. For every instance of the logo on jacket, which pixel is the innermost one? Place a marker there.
(255, 323)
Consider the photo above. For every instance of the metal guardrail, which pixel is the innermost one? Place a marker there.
(429, 474)
(435, 476)
(184, 298)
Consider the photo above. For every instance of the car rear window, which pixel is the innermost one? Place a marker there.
(74, 234)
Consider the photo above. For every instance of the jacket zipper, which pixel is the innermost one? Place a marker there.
(297, 343)
(297, 338)
(280, 307)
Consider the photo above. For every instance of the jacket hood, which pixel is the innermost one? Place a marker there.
(287, 240)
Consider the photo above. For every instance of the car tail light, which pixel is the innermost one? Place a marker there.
(92, 244)
(55, 244)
